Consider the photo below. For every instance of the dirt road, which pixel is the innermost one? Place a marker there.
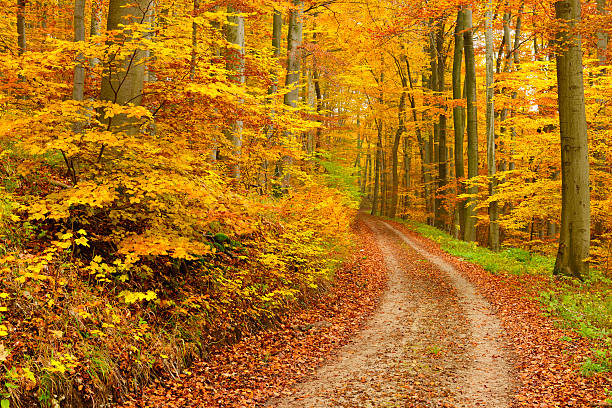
(433, 342)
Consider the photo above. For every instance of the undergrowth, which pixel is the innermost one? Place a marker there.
(82, 323)
(582, 306)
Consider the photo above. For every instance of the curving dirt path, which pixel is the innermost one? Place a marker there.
(433, 342)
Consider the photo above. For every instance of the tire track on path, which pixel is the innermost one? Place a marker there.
(433, 342)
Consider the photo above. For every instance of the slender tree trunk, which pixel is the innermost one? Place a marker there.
(294, 42)
(442, 157)
(383, 182)
(432, 151)
(194, 41)
(123, 79)
(94, 29)
(407, 169)
(235, 63)
(78, 87)
(421, 142)
(21, 27)
(472, 125)
(602, 36)
(379, 129)
(277, 32)
(459, 122)
(491, 165)
(517, 61)
(394, 156)
(574, 241)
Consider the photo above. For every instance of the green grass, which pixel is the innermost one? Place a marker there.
(515, 261)
(582, 306)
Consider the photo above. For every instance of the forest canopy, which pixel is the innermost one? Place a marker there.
(175, 175)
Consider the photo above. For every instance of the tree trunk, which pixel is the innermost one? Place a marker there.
(294, 42)
(123, 79)
(21, 27)
(472, 124)
(574, 241)
(194, 41)
(490, 122)
(517, 61)
(442, 157)
(407, 165)
(379, 130)
(94, 29)
(459, 123)
(394, 156)
(383, 182)
(235, 63)
(277, 30)
(78, 86)
(602, 36)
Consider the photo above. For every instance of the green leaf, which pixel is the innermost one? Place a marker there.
(5, 403)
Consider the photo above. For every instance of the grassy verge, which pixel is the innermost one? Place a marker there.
(584, 307)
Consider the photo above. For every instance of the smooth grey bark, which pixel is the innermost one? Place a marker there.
(78, 83)
(277, 27)
(574, 240)
(194, 41)
(432, 150)
(123, 78)
(294, 42)
(490, 124)
(517, 61)
(442, 154)
(235, 63)
(459, 122)
(472, 125)
(401, 128)
(421, 142)
(602, 36)
(383, 181)
(94, 30)
(78, 86)
(21, 27)
(377, 165)
(407, 169)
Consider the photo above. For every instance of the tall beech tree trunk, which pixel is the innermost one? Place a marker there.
(432, 151)
(194, 41)
(472, 124)
(394, 156)
(574, 241)
(401, 128)
(235, 63)
(78, 82)
(377, 163)
(419, 135)
(21, 27)
(517, 61)
(123, 79)
(94, 29)
(459, 122)
(442, 157)
(78, 86)
(602, 36)
(294, 42)
(277, 32)
(490, 121)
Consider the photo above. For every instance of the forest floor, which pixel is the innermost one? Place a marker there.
(434, 341)
(405, 325)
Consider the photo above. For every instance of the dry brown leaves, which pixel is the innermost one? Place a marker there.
(265, 365)
(548, 367)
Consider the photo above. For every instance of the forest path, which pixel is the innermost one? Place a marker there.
(433, 342)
